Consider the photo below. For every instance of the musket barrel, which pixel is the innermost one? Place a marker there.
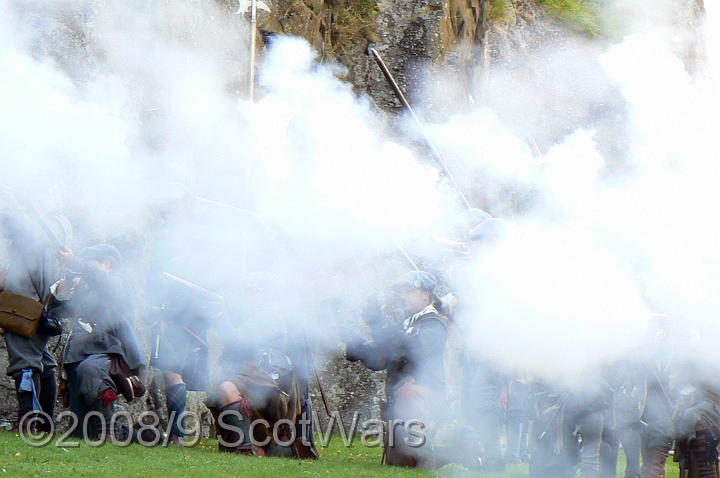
(193, 286)
(403, 99)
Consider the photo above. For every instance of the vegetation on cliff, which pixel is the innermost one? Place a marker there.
(580, 14)
(353, 19)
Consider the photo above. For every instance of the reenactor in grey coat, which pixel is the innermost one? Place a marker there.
(102, 349)
(32, 269)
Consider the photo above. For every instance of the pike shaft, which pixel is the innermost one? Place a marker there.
(406, 104)
(253, 36)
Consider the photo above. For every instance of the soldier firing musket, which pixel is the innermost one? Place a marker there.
(412, 354)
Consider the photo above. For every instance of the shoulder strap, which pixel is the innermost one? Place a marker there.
(432, 315)
(38, 290)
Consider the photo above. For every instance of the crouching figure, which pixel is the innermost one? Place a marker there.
(259, 410)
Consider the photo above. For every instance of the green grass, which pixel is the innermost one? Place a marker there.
(17, 458)
(582, 14)
(498, 9)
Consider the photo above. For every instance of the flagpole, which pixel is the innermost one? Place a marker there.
(243, 7)
(253, 39)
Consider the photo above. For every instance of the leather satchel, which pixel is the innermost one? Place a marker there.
(20, 314)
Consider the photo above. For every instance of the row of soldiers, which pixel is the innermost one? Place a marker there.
(467, 405)
(103, 359)
(651, 404)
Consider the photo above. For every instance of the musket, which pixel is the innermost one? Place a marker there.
(194, 286)
(406, 104)
(457, 246)
(195, 336)
(317, 377)
(556, 409)
(33, 214)
(253, 39)
(235, 209)
(407, 256)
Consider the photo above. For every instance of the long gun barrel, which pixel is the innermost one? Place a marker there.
(194, 286)
(33, 214)
(406, 104)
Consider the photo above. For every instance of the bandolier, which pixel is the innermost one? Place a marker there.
(413, 356)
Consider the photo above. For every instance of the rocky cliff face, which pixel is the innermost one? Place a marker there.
(409, 36)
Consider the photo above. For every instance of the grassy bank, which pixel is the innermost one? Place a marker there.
(582, 15)
(19, 459)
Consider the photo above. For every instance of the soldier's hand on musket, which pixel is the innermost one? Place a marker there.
(66, 256)
(64, 288)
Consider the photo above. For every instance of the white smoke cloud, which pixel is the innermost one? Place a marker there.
(66, 148)
(551, 301)
(150, 107)
(325, 164)
(157, 103)
(609, 240)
